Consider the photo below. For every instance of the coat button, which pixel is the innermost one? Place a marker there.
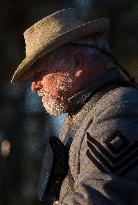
(70, 119)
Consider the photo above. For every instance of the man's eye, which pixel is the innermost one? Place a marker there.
(41, 73)
(38, 75)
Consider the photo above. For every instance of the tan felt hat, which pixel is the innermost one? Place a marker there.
(53, 31)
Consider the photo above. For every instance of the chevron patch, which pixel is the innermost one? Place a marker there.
(116, 156)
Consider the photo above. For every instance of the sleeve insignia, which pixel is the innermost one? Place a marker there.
(116, 156)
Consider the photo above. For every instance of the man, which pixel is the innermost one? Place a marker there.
(73, 70)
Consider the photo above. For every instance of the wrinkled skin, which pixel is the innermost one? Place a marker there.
(60, 75)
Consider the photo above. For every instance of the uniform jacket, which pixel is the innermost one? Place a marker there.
(101, 136)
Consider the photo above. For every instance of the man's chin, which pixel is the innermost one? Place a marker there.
(53, 113)
(55, 110)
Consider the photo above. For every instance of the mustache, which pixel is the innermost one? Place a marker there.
(42, 93)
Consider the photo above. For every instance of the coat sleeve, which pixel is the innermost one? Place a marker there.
(108, 173)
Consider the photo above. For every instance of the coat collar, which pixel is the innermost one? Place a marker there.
(77, 101)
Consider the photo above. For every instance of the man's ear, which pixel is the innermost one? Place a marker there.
(78, 59)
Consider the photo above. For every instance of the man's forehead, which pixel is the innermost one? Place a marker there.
(45, 60)
(40, 64)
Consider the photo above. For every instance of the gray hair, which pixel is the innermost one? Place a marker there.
(91, 47)
(95, 44)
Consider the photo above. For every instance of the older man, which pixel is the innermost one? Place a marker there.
(74, 72)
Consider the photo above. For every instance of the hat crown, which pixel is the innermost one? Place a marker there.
(54, 31)
(49, 28)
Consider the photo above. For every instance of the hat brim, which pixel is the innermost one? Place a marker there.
(25, 69)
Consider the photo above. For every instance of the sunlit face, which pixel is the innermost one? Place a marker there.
(55, 80)
(62, 74)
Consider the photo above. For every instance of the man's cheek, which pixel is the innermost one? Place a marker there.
(49, 83)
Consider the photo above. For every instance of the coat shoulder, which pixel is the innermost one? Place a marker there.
(119, 95)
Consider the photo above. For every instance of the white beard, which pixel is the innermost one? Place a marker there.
(53, 106)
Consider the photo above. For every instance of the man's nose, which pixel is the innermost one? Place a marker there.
(36, 85)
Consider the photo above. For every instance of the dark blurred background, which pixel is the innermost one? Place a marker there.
(24, 125)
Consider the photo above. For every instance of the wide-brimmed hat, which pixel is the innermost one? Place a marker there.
(53, 31)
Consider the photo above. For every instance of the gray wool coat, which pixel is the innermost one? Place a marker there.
(102, 140)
